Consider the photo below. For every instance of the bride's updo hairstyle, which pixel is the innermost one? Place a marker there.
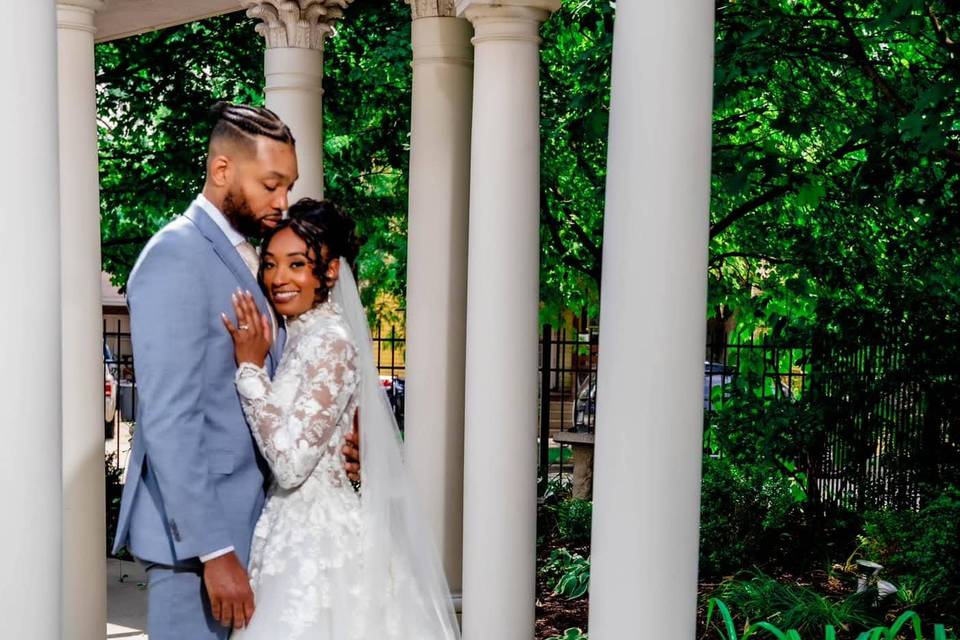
(319, 223)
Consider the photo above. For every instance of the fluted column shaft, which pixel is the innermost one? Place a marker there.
(500, 473)
(30, 462)
(646, 504)
(84, 578)
(437, 276)
(293, 68)
(294, 79)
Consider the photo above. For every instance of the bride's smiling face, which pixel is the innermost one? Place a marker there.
(288, 273)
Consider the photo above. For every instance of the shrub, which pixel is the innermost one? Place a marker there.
(746, 514)
(114, 490)
(921, 548)
(573, 520)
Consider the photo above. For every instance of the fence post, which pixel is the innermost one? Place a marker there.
(546, 346)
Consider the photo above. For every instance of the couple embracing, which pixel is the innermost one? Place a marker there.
(259, 409)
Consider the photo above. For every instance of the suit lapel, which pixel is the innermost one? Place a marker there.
(231, 257)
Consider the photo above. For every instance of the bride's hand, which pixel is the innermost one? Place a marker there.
(252, 336)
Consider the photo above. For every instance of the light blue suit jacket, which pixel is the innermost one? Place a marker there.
(195, 482)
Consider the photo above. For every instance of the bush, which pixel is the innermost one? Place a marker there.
(747, 515)
(114, 490)
(573, 520)
(920, 548)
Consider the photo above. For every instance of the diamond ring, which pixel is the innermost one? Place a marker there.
(243, 327)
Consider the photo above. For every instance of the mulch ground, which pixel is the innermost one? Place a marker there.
(556, 614)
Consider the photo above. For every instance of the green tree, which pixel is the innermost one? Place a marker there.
(835, 165)
(153, 96)
(575, 107)
(154, 92)
(836, 152)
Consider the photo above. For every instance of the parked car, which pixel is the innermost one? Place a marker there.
(395, 388)
(110, 388)
(715, 374)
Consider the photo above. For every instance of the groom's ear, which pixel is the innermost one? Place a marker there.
(219, 169)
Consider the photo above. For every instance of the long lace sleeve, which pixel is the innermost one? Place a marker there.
(293, 429)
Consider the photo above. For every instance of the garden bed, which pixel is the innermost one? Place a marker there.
(556, 613)
(808, 599)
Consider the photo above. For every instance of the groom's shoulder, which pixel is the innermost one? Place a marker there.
(179, 241)
(178, 237)
(181, 230)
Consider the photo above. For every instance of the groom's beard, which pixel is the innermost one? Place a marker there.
(237, 210)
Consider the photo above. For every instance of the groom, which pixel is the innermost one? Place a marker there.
(195, 482)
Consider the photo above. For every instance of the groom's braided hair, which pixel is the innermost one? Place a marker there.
(319, 223)
(241, 123)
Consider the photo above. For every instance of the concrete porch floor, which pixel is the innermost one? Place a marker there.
(126, 600)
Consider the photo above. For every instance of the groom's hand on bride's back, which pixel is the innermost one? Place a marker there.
(228, 586)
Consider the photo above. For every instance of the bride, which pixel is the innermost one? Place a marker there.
(329, 560)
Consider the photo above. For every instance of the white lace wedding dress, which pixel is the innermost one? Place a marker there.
(307, 552)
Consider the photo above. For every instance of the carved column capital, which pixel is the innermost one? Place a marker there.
(300, 24)
(92, 5)
(77, 14)
(505, 8)
(432, 8)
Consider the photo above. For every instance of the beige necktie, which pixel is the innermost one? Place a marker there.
(252, 259)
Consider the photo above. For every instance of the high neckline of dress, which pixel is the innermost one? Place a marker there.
(300, 323)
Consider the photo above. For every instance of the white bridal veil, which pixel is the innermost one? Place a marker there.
(400, 556)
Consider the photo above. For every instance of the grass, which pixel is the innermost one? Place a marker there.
(759, 597)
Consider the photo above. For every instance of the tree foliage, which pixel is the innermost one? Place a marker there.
(154, 92)
(153, 96)
(575, 107)
(835, 165)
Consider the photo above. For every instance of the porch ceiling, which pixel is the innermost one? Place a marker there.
(121, 18)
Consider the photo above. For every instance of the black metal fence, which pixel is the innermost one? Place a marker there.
(892, 426)
(389, 350)
(886, 424)
(118, 359)
(888, 427)
(568, 385)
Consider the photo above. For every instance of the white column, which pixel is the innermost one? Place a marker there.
(293, 65)
(437, 273)
(649, 417)
(84, 577)
(30, 464)
(500, 473)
